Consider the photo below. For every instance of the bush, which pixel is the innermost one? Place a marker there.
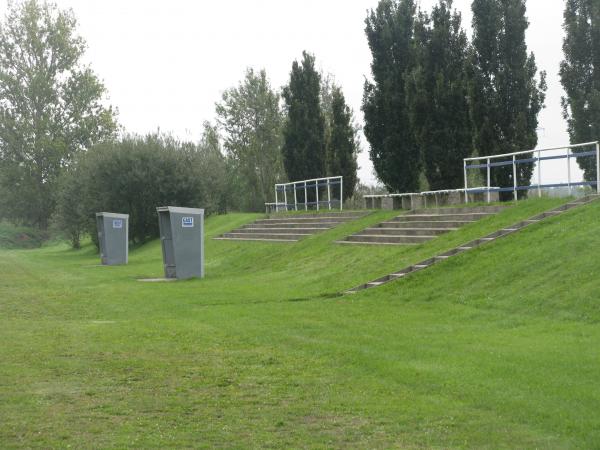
(19, 236)
(136, 175)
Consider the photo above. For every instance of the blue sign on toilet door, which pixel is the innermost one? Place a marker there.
(187, 222)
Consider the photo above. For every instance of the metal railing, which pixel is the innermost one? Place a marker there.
(307, 187)
(537, 158)
(425, 195)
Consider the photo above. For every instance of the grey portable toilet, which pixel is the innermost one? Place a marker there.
(113, 237)
(182, 240)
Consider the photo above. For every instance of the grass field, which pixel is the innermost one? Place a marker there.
(496, 348)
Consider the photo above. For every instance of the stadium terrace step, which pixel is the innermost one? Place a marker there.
(407, 231)
(470, 245)
(252, 238)
(289, 227)
(460, 210)
(392, 239)
(276, 236)
(424, 224)
(284, 230)
(324, 219)
(463, 217)
(337, 214)
(420, 225)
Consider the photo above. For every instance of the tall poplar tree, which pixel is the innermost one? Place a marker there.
(393, 149)
(437, 92)
(304, 129)
(580, 76)
(505, 95)
(342, 145)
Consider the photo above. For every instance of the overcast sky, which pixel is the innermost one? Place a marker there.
(166, 63)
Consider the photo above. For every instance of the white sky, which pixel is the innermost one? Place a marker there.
(166, 63)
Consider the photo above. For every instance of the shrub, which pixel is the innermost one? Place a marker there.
(136, 175)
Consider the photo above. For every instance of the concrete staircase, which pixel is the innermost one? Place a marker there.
(289, 228)
(473, 244)
(420, 225)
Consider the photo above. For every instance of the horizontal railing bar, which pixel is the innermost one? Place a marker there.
(442, 191)
(542, 186)
(531, 160)
(564, 147)
(309, 181)
(300, 187)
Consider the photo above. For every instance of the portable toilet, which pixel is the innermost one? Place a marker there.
(182, 241)
(113, 237)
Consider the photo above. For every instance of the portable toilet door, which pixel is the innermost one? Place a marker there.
(113, 238)
(182, 241)
(166, 242)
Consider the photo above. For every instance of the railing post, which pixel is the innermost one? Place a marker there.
(285, 197)
(341, 193)
(539, 174)
(489, 185)
(276, 201)
(317, 190)
(598, 167)
(515, 184)
(295, 198)
(305, 197)
(328, 194)
(466, 182)
(569, 170)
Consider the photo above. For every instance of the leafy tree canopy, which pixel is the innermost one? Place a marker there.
(580, 76)
(51, 106)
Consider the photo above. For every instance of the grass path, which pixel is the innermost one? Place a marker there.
(496, 348)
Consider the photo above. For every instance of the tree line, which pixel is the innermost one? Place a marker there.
(434, 97)
(63, 155)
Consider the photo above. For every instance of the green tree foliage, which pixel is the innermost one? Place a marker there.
(138, 174)
(580, 76)
(252, 121)
(341, 155)
(395, 154)
(71, 217)
(505, 96)
(342, 142)
(213, 172)
(437, 90)
(50, 107)
(304, 153)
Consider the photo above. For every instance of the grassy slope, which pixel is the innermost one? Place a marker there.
(13, 237)
(495, 348)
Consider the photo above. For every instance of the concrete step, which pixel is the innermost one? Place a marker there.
(343, 214)
(384, 239)
(441, 217)
(467, 210)
(426, 224)
(369, 243)
(271, 236)
(407, 231)
(290, 227)
(284, 230)
(313, 225)
(249, 238)
(333, 220)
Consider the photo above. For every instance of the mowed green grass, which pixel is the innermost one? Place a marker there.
(496, 348)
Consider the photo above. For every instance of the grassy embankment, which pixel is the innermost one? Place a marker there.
(498, 347)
